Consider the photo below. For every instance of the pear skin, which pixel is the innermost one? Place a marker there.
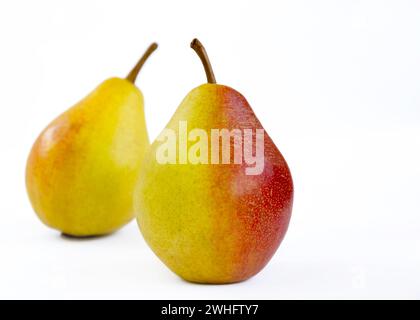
(83, 167)
(214, 223)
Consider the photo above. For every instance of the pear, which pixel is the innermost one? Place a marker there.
(210, 217)
(83, 167)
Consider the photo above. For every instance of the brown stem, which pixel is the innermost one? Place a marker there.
(132, 76)
(201, 51)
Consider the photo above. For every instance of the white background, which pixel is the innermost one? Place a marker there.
(335, 83)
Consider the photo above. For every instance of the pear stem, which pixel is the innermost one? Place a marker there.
(201, 52)
(132, 76)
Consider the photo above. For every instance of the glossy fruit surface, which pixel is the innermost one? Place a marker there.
(213, 223)
(83, 167)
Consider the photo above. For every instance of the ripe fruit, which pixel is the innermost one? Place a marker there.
(209, 222)
(82, 169)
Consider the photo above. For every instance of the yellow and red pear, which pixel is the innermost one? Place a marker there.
(213, 223)
(83, 167)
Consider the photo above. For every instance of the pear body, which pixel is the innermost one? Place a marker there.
(83, 167)
(214, 223)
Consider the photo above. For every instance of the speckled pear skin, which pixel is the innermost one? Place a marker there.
(213, 223)
(82, 169)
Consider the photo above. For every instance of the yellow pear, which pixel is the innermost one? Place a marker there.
(82, 169)
(210, 215)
